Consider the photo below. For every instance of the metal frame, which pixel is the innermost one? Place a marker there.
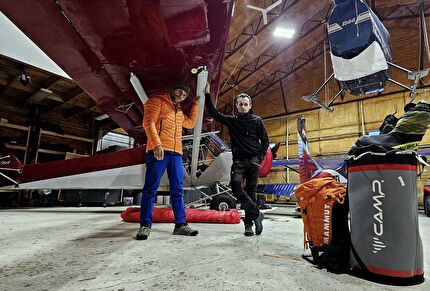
(415, 76)
(220, 189)
(255, 27)
(286, 70)
(273, 52)
(202, 79)
(394, 13)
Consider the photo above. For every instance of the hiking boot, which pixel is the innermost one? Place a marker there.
(184, 229)
(143, 233)
(259, 224)
(265, 206)
(248, 230)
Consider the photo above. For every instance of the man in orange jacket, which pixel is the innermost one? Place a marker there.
(163, 122)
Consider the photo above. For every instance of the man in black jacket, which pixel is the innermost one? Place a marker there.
(249, 143)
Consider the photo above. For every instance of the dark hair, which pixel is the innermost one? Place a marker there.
(243, 95)
(183, 86)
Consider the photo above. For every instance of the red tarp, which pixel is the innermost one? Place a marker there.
(132, 214)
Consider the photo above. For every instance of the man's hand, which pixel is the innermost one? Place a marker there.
(196, 99)
(208, 88)
(257, 161)
(159, 153)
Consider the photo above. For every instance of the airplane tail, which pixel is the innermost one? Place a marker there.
(10, 167)
(308, 167)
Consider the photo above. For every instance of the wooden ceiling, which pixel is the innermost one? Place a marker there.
(59, 100)
(277, 72)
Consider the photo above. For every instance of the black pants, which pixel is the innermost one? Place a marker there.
(246, 170)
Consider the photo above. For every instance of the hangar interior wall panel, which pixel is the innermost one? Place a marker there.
(332, 134)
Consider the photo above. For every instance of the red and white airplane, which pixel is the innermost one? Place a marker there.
(120, 53)
(308, 167)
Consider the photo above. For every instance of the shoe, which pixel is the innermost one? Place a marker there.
(143, 233)
(248, 230)
(259, 224)
(265, 206)
(184, 229)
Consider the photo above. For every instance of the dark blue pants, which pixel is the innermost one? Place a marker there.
(154, 171)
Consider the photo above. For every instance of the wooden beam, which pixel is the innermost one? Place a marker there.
(39, 95)
(50, 82)
(9, 83)
(82, 101)
(78, 111)
(70, 95)
(10, 67)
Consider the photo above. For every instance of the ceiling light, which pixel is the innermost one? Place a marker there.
(284, 32)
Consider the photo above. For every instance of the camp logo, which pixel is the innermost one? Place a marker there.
(378, 217)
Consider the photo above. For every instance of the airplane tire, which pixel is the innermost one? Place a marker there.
(222, 202)
(427, 205)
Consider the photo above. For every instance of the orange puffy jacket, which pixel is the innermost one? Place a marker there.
(163, 124)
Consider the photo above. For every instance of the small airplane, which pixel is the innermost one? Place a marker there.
(118, 170)
(120, 54)
(308, 167)
(126, 170)
(360, 53)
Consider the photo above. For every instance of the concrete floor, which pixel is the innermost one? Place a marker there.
(92, 249)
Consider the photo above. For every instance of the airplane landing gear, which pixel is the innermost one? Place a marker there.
(223, 202)
(221, 199)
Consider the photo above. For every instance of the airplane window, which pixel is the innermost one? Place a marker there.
(112, 141)
(210, 147)
(205, 158)
(216, 142)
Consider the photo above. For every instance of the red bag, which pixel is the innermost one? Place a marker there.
(132, 214)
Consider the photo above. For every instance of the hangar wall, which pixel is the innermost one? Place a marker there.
(332, 134)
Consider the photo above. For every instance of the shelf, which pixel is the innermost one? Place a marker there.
(15, 147)
(68, 136)
(42, 132)
(47, 133)
(14, 126)
(70, 156)
(51, 152)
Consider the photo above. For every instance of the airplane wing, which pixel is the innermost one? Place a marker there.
(99, 44)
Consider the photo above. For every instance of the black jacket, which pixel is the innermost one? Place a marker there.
(247, 133)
